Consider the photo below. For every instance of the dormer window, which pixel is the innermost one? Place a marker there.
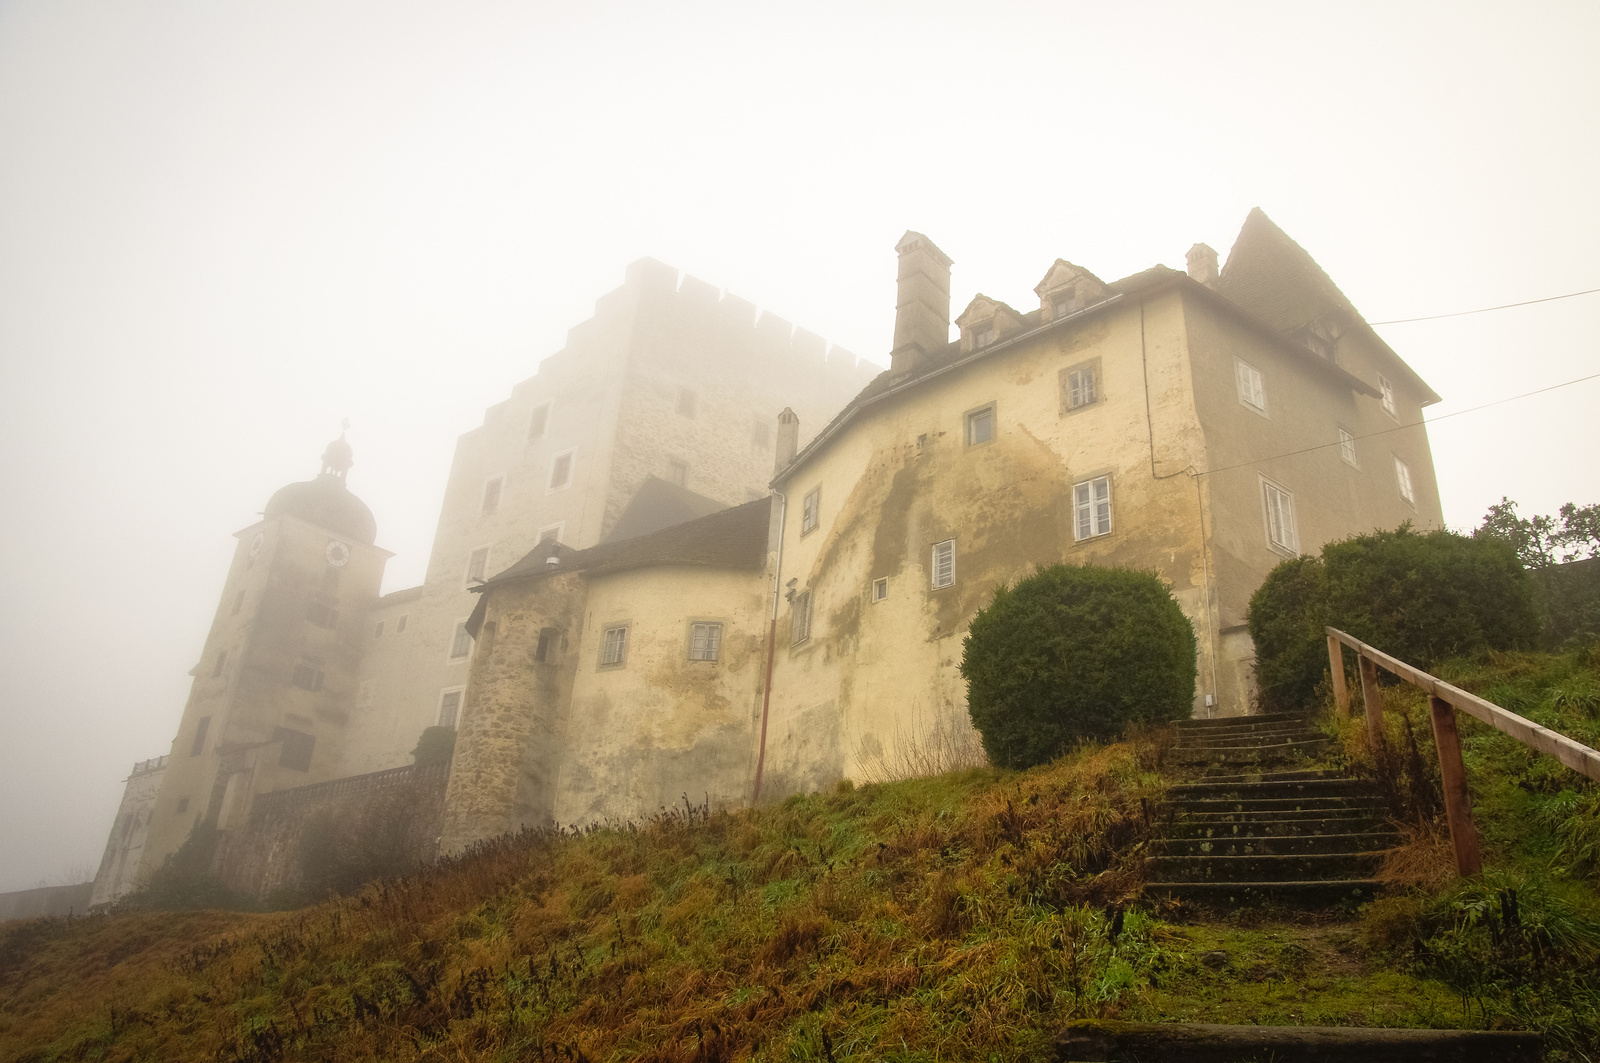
(983, 336)
(1064, 303)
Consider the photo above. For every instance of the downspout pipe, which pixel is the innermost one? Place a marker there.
(772, 645)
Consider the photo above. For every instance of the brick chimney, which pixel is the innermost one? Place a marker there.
(1203, 265)
(788, 439)
(922, 302)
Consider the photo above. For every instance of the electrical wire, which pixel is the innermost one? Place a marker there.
(1400, 427)
(1485, 309)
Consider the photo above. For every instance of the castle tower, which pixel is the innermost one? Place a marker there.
(267, 709)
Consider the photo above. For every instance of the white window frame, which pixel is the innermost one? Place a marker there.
(880, 590)
(1080, 385)
(983, 335)
(570, 455)
(539, 420)
(705, 640)
(559, 527)
(1402, 477)
(975, 417)
(1252, 386)
(1387, 397)
(614, 651)
(460, 694)
(456, 631)
(1347, 448)
(483, 570)
(1278, 517)
(494, 487)
(811, 510)
(800, 618)
(942, 565)
(1091, 508)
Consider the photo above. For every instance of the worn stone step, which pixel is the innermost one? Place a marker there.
(1262, 867)
(1241, 756)
(1275, 844)
(1242, 741)
(1192, 805)
(1278, 776)
(1264, 719)
(1313, 893)
(1101, 1041)
(1272, 825)
(1275, 788)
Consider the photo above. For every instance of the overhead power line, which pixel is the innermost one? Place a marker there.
(1400, 427)
(1485, 309)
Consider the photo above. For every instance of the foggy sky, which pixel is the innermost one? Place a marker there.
(224, 227)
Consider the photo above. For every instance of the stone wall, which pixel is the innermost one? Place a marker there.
(46, 901)
(382, 822)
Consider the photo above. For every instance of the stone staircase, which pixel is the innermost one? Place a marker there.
(1253, 825)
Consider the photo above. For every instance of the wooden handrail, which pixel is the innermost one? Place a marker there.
(1443, 699)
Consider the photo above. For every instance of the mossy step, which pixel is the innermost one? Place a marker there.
(1277, 776)
(1318, 893)
(1242, 741)
(1102, 1041)
(1191, 805)
(1273, 825)
(1265, 718)
(1275, 788)
(1237, 757)
(1263, 867)
(1275, 844)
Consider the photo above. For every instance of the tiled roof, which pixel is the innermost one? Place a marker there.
(733, 538)
(659, 504)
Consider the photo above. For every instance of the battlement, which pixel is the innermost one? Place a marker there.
(145, 767)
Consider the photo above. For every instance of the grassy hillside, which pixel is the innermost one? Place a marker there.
(958, 917)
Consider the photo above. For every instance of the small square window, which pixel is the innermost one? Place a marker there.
(1402, 476)
(705, 641)
(377, 630)
(201, 726)
(222, 662)
(183, 805)
(491, 497)
(1252, 392)
(321, 612)
(449, 708)
(811, 510)
(460, 643)
(614, 646)
(880, 588)
(551, 533)
(980, 426)
(761, 434)
(800, 618)
(1388, 395)
(983, 336)
(943, 568)
(539, 421)
(547, 639)
(1347, 448)
(560, 471)
(677, 471)
(1091, 508)
(1282, 532)
(1062, 304)
(400, 624)
(686, 402)
(477, 565)
(295, 753)
(307, 676)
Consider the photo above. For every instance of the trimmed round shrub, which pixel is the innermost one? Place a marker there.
(1074, 653)
(1423, 598)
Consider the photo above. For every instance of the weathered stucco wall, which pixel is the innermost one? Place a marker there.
(660, 726)
(119, 865)
(903, 478)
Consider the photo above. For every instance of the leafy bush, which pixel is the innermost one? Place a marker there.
(1421, 597)
(1074, 653)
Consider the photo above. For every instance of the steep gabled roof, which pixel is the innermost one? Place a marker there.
(1273, 278)
(659, 504)
(732, 538)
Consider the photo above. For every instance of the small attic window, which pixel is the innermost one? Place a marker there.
(1064, 302)
(983, 335)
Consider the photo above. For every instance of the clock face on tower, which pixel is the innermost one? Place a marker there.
(337, 553)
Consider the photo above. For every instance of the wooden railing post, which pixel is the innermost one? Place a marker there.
(1341, 693)
(1372, 701)
(1457, 799)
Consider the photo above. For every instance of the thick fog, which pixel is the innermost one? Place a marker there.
(226, 227)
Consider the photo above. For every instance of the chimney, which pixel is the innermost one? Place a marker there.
(1203, 265)
(788, 439)
(922, 302)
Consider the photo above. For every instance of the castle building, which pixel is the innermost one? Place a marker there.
(661, 406)
(1204, 425)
